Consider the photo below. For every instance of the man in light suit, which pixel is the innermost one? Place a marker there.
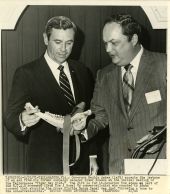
(39, 83)
(131, 99)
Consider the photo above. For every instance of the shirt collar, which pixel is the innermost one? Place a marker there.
(52, 64)
(136, 59)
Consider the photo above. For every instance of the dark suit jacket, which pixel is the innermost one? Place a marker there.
(108, 106)
(35, 83)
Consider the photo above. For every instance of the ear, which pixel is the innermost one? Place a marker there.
(134, 39)
(45, 38)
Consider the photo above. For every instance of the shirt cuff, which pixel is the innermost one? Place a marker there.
(23, 127)
(93, 156)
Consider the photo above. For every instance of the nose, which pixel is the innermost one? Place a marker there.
(63, 47)
(109, 47)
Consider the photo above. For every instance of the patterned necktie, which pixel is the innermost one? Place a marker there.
(65, 86)
(128, 87)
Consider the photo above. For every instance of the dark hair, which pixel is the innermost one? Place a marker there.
(59, 22)
(129, 25)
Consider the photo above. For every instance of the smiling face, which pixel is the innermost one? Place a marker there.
(60, 44)
(117, 45)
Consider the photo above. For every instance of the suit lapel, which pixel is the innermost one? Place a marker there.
(47, 76)
(76, 81)
(49, 82)
(115, 92)
(142, 80)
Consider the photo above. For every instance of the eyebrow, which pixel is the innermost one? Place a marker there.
(61, 40)
(110, 40)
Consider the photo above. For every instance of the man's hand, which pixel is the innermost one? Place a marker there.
(93, 166)
(28, 116)
(79, 122)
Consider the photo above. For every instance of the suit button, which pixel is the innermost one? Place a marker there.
(129, 149)
(129, 128)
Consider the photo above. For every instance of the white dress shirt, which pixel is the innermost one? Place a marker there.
(56, 72)
(135, 63)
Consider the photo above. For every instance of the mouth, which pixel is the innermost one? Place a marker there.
(112, 56)
(62, 55)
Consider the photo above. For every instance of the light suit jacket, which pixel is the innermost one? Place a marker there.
(108, 106)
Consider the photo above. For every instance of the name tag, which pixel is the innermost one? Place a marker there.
(153, 96)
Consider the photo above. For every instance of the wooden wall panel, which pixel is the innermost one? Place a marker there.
(78, 15)
(30, 34)
(92, 41)
(43, 16)
(25, 44)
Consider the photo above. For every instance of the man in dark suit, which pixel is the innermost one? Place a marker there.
(130, 93)
(40, 82)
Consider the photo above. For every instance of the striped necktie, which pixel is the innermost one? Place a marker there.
(65, 86)
(128, 87)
